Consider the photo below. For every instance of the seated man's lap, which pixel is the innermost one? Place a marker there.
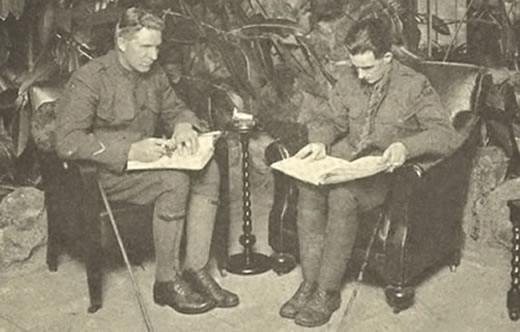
(363, 194)
(144, 187)
(366, 193)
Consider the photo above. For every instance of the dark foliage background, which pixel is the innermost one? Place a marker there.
(267, 57)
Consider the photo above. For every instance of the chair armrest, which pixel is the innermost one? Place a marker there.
(424, 211)
(86, 172)
(276, 151)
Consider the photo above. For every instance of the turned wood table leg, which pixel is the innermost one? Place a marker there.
(247, 262)
(513, 295)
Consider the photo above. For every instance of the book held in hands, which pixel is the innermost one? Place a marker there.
(176, 160)
(316, 171)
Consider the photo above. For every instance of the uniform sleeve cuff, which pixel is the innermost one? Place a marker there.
(191, 118)
(414, 148)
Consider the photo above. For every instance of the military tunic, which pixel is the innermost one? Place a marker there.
(409, 111)
(105, 108)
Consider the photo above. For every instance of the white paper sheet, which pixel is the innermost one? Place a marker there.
(196, 161)
(314, 171)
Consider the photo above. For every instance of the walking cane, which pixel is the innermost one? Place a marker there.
(359, 279)
(138, 295)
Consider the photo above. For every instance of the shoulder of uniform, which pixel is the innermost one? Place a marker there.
(158, 75)
(344, 70)
(409, 73)
(91, 70)
(345, 76)
(411, 80)
(157, 71)
(416, 84)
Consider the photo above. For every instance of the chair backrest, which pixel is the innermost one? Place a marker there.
(42, 98)
(499, 127)
(462, 87)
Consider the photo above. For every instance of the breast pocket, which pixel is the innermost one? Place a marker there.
(407, 124)
(118, 108)
(105, 110)
(395, 121)
(394, 111)
(152, 102)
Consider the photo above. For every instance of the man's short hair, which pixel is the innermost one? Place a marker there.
(134, 19)
(370, 34)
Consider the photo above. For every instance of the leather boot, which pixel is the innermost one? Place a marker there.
(290, 308)
(204, 283)
(178, 295)
(318, 310)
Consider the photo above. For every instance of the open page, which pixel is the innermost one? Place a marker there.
(195, 161)
(315, 171)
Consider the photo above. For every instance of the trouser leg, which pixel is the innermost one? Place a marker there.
(341, 230)
(345, 203)
(168, 191)
(202, 209)
(311, 223)
(168, 223)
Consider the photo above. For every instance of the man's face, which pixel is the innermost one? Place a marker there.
(141, 51)
(369, 68)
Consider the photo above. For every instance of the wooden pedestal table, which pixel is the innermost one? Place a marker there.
(247, 262)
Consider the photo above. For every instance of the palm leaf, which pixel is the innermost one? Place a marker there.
(237, 63)
(438, 24)
(262, 50)
(288, 57)
(311, 55)
(282, 27)
(306, 53)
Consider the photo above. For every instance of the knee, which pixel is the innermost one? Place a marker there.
(342, 198)
(211, 173)
(311, 194)
(171, 206)
(207, 181)
(173, 180)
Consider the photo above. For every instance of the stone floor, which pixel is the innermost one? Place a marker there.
(471, 299)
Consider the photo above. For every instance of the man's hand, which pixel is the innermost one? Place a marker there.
(395, 156)
(149, 149)
(186, 138)
(312, 151)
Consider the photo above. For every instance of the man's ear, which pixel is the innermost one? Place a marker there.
(121, 44)
(387, 57)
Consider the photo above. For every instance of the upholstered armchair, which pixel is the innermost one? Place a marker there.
(77, 220)
(500, 131)
(420, 225)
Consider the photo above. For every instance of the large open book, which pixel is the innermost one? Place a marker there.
(195, 161)
(315, 171)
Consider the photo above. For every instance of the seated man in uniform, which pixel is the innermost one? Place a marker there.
(378, 107)
(108, 114)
